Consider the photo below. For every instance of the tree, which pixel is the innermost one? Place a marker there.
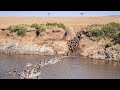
(48, 14)
(81, 13)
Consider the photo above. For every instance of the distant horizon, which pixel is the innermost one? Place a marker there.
(58, 13)
(63, 16)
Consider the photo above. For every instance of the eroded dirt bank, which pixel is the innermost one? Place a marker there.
(55, 41)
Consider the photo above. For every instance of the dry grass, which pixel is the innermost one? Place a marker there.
(70, 21)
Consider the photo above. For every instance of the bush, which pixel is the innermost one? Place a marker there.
(40, 31)
(59, 25)
(21, 30)
(42, 26)
(51, 24)
(94, 33)
(39, 28)
(12, 28)
(35, 25)
(111, 29)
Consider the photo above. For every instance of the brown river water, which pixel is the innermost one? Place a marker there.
(67, 68)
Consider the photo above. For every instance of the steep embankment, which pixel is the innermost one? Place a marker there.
(17, 47)
(16, 40)
(92, 43)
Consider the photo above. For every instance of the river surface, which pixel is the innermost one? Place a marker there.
(67, 68)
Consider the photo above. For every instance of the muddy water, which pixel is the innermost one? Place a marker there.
(67, 68)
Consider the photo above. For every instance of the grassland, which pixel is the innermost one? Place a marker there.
(70, 21)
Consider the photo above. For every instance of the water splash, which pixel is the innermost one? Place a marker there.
(34, 71)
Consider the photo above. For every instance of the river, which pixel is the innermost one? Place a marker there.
(67, 68)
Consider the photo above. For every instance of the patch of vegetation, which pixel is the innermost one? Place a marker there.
(59, 25)
(40, 31)
(35, 25)
(51, 24)
(12, 28)
(19, 29)
(94, 33)
(109, 31)
(40, 28)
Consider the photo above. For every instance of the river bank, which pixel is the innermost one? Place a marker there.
(54, 40)
(87, 48)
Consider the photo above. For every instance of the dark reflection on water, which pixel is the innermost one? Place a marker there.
(67, 68)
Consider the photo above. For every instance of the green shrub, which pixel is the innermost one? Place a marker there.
(12, 28)
(35, 25)
(21, 30)
(59, 25)
(94, 33)
(111, 29)
(51, 24)
(40, 31)
(40, 28)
